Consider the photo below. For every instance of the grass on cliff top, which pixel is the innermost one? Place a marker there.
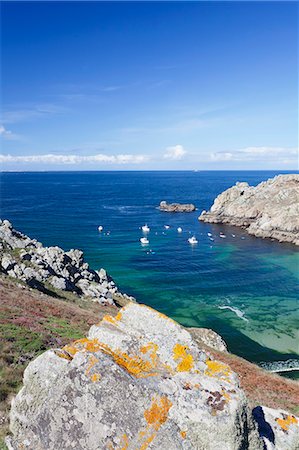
(30, 323)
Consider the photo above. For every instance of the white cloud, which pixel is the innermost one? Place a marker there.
(7, 134)
(75, 159)
(175, 153)
(278, 154)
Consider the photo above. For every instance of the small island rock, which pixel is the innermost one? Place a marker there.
(176, 207)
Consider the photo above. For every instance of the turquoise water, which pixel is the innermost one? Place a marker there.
(244, 288)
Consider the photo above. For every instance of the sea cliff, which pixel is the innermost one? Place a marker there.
(269, 210)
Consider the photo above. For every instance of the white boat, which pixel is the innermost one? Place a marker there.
(211, 239)
(166, 227)
(222, 235)
(180, 229)
(233, 235)
(210, 234)
(145, 228)
(144, 240)
(193, 240)
(100, 228)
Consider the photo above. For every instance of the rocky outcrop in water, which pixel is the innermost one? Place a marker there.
(269, 210)
(176, 207)
(140, 381)
(50, 269)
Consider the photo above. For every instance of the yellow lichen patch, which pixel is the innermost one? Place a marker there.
(92, 361)
(183, 434)
(287, 422)
(95, 377)
(111, 319)
(185, 359)
(88, 345)
(157, 414)
(141, 366)
(218, 369)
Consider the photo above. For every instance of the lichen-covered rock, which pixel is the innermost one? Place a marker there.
(271, 209)
(138, 381)
(176, 207)
(278, 429)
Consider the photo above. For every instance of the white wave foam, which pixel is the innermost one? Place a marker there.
(281, 366)
(237, 311)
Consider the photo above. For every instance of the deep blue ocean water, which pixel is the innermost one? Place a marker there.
(244, 288)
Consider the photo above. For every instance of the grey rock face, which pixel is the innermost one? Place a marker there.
(138, 381)
(27, 260)
(208, 337)
(7, 262)
(269, 210)
(176, 207)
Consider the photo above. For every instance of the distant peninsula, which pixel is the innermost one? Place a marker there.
(269, 210)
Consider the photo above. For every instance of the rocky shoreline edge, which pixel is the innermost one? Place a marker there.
(52, 270)
(269, 210)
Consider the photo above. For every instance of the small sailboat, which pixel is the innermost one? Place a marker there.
(233, 235)
(100, 228)
(222, 235)
(166, 227)
(144, 241)
(211, 239)
(193, 240)
(210, 234)
(145, 228)
(180, 229)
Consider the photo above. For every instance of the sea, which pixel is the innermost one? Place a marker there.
(244, 288)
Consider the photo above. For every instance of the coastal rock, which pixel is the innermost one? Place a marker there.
(7, 263)
(176, 207)
(278, 429)
(269, 210)
(208, 337)
(27, 260)
(138, 381)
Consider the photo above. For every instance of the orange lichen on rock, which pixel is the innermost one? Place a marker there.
(95, 377)
(218, 369)
(125, 442)
(287, 422)
(136, 365)
(157, 414)
(111, 319)
(185, 359)
(92, 361)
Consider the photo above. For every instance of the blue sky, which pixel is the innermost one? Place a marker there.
(149, 85)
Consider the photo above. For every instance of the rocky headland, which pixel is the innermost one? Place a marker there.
(138, 380)
(269, 210)
(52, 270)
(176, 207)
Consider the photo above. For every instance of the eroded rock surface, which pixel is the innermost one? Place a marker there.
(269, 210)
(50, 268)
(176, 207)
(138, 381)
